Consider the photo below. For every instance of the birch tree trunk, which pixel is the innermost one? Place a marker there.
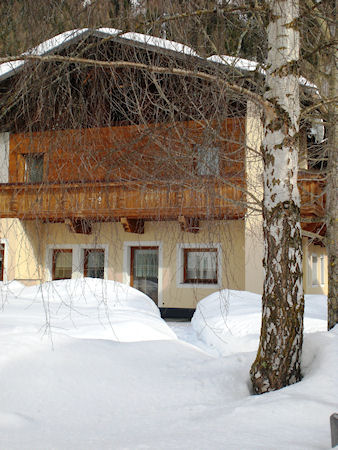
(277, 362)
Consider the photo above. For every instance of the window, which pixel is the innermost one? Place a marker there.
(315, 281)
(33, 168)
(2, 261)
(207, 160)
(317, 270)
(94, 263)
(200, 265)
(322, 270)
(62, 264)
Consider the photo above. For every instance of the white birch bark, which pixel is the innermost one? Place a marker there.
(278, 359)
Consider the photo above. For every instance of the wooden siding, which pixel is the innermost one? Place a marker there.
(122, 153)
(140, 172)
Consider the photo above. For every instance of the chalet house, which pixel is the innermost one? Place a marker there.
(142, 176)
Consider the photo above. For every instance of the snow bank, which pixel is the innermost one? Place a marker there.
(89, 391)
(230, 320)
(87, 307)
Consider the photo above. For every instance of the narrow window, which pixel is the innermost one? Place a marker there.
(322, 270)
(2, 261)
(315, 281)
(62, 264)
(207, 163)
(200, 266)
(94, 263)
(34, 168)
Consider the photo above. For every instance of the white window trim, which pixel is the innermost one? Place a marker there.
(91, 247)
(77, 260)
(127, 245)
(5, 261)
(180, 266)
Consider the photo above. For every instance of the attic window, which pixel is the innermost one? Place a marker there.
(34, 167)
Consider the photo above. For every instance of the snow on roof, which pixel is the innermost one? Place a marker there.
(159, 43)
(62, 40)
(238, 63)
(251, 66)
(55, 43)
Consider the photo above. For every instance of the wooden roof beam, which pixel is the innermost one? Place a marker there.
(189, 224)
(132, 225)
(80, 226)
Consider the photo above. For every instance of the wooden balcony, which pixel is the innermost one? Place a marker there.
(111, 201)
(312, 192)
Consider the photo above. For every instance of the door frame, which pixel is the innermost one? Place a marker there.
(127, 276)
(142, 247)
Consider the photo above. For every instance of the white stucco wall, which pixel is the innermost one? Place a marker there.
(254, 245)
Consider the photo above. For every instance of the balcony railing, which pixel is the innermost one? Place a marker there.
(104, 201)
(312, 193)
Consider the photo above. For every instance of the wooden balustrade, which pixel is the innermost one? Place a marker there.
(312, 192)
(104, 201)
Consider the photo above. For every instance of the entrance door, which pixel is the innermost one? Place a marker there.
(144, 270)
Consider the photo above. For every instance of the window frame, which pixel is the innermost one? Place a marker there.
(320, 270)
(127, 245)
(187, 280)
(180, 277)
(86, 252)
(27, 171)
(55, 251)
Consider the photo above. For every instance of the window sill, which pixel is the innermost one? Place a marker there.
(199, 285)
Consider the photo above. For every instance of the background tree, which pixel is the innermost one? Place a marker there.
(319, 65)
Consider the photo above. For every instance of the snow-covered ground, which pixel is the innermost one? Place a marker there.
(86, 364)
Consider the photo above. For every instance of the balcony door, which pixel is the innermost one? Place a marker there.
(144, 270)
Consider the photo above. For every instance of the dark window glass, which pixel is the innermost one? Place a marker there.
(94, 263)
(34, 168)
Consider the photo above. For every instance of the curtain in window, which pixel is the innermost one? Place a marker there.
(62, 265)
(145, 263)
(201, 265)
(95, 264)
